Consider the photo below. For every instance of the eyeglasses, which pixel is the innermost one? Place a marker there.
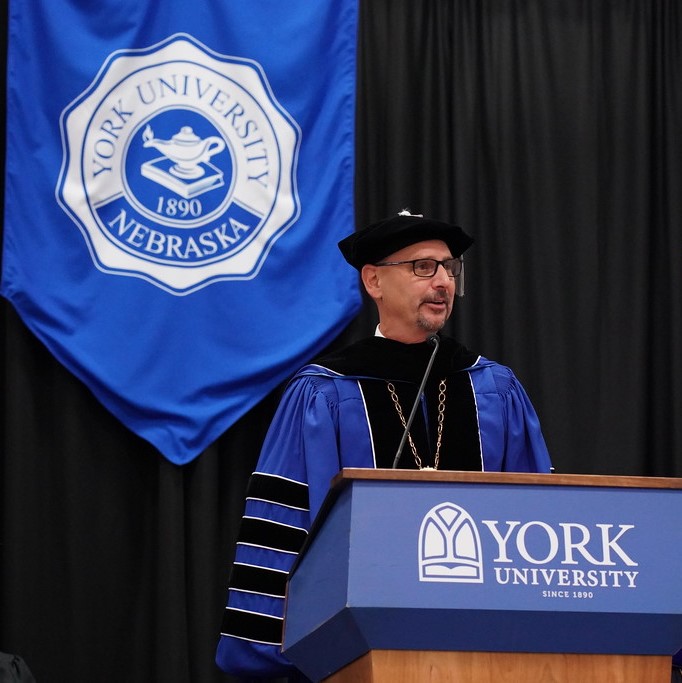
(427, 267)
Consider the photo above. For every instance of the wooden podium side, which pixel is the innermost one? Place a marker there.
(409, 666)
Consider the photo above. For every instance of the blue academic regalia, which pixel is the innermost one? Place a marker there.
(332, 416)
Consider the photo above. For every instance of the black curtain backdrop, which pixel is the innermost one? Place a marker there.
(549, 129)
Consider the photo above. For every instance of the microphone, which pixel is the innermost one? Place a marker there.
(435, 342)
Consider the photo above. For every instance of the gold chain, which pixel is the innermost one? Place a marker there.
(441, 416)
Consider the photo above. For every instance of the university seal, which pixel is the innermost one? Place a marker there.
(179, 166)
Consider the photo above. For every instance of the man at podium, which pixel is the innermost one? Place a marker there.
(404, 398)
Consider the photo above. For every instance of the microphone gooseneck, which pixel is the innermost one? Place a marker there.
(435, 342)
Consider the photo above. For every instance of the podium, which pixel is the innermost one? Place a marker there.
(474, 576)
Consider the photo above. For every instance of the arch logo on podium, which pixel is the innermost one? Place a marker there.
(450, 546)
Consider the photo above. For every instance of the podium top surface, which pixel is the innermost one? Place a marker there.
(443, 476)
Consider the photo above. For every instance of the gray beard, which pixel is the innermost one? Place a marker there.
(428, 326)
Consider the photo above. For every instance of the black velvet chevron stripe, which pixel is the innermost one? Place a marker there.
(262, 532)
(246, 577)
(279, 491)
(261, 628)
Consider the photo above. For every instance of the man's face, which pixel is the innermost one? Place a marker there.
(411, 308)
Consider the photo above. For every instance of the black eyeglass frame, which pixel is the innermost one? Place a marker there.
(456, 260)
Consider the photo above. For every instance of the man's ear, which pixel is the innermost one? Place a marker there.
(370, 279)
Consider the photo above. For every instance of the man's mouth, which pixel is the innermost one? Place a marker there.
(437, 303)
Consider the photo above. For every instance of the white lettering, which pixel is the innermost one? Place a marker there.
(190, 248)
(531, 576)
(501, 540)
(570, 544)
(612, 544)
(631, 576)
(551, 535)
(573, 541)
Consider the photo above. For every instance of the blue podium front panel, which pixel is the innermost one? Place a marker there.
(489, 567)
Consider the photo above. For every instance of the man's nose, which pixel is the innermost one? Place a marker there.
(441, 276)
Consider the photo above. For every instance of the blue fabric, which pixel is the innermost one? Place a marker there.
(177, 179)
(321, 427)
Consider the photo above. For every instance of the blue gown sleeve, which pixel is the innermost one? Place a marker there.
(525, 448)
(297, 462)
(511, 437)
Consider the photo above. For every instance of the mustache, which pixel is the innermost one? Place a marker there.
(443, 298)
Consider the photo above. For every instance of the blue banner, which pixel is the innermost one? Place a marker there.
(177, 179)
